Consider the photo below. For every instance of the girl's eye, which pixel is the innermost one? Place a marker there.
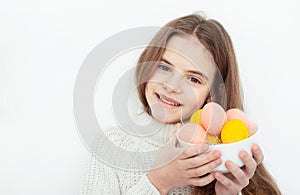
(164, 67)
(194, 80)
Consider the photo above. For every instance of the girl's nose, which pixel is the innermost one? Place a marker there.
(173, 84)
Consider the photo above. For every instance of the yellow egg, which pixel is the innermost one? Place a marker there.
(212, 139)
(195, 118)
(233, 131)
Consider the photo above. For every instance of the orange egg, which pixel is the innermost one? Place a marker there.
(192, 133)
(213, 117)
(252, 128)
(236, 113)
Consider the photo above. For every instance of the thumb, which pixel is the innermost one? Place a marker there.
(178, 125)
(173, 139)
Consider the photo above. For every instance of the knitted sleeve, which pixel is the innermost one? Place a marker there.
(99, 179)
(103, 178)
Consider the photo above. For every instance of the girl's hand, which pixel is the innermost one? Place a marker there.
(238, 178)
(175, 167)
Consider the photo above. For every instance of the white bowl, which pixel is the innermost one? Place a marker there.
(229, 151)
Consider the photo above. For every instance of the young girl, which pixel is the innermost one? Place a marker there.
(188, 63)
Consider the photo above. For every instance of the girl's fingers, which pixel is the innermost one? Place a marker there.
(196, 181)
(237, 173)
(173, 139)
(194, 150)
(257, 153)
(239, 177)
(250, 163)
(202, 170)
(202, 159)
(178, 125)
(226, 182)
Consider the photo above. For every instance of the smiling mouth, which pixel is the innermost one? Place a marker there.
(167, 100)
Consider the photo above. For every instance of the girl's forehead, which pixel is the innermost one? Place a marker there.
(190, 53)
(188, 46)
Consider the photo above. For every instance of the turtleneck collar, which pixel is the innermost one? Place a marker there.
(151, 130)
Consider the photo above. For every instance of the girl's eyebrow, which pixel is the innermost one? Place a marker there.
(189, 71)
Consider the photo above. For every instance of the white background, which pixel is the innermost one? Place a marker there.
(43, 43)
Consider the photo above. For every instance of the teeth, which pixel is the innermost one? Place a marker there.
(166, 101)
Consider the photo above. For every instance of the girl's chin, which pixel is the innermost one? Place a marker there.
(166, 118)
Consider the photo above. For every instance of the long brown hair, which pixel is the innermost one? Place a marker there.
(217, 41)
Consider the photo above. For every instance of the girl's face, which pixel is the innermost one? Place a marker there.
(181, 82)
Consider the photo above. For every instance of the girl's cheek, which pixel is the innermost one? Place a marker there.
(202, 97)
(188, 89)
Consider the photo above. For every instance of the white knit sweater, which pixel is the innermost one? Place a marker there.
(110, 171)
